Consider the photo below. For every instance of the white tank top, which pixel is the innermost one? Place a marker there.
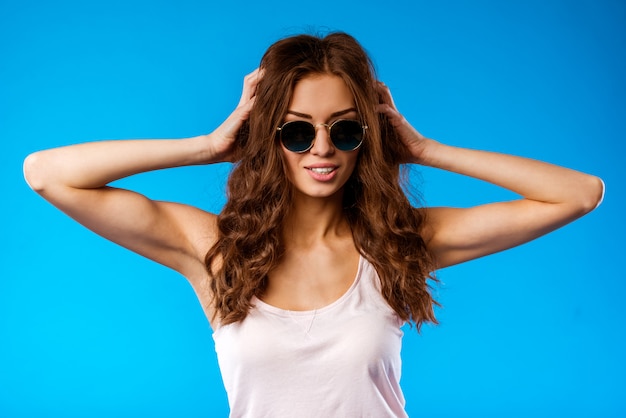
(342, 360)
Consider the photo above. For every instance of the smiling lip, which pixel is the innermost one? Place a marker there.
(322, 172)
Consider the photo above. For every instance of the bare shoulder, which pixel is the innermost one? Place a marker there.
(433, 217)
(199, 229)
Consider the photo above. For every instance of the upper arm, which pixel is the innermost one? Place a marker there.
(171, 234)
(455, 235)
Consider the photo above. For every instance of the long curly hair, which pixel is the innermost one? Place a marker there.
(385, 227)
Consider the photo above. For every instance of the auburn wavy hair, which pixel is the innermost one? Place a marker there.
(385, 227)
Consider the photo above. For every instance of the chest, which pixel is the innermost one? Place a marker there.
(359, 331)
(281, 353)
(341, 357)
(320, 364)
(358, 341)
(303, 282)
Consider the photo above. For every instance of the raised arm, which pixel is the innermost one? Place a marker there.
(552, 196)
(75, 179)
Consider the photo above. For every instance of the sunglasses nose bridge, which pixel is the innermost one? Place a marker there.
(324, 125)
(326, 145)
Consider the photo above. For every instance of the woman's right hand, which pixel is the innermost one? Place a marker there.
(222, 140)
(76, 179)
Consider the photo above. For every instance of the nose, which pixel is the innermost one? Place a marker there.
(322, 145)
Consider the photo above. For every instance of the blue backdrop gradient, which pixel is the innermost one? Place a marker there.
(88, 329)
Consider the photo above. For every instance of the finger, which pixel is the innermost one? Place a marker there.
(232, 124)
(385, 94)
(387, 110)
(242, 112)
(250, 82)
(396, 119)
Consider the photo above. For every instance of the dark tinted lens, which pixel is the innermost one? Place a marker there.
(347, 135)
(297, 136)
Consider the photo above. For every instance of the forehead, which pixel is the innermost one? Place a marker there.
(320, 95)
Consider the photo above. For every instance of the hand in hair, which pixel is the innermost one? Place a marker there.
(222, 140)
(415, 142)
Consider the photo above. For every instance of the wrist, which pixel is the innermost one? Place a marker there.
(199, 151)
(428, 152)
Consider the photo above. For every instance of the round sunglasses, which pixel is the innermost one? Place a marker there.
(299, 135)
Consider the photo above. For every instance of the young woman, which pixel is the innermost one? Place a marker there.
(317, 258)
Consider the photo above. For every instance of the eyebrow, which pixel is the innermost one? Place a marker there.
(334, 115)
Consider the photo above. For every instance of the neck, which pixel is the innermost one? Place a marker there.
(311, 220)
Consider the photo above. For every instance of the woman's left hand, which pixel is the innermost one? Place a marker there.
(416, 143)
(552, 195)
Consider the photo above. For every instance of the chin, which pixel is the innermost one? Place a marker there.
(320, 192)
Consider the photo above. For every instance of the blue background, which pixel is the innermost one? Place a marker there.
(90, 329)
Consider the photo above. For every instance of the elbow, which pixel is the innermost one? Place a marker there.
(33, 172)
(592, 194)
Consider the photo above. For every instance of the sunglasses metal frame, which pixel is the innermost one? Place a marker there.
(327, 126)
